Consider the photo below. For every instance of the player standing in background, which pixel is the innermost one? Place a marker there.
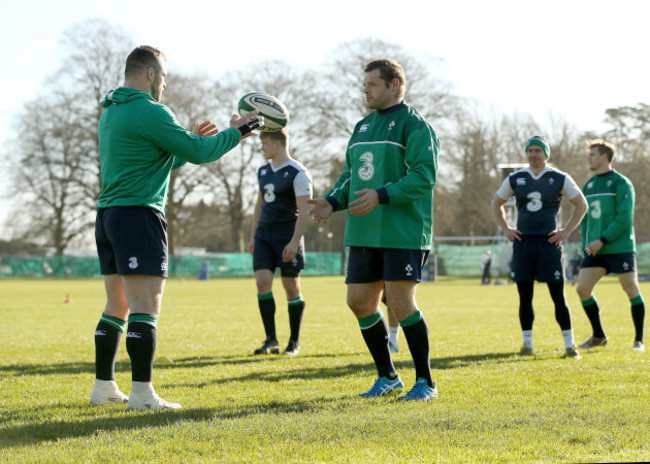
(279, 225)
(609, 242)
(537, 242)
(140, 142)
(387, 187)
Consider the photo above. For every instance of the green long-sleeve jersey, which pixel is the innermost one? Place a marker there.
(394, 151)
(611, 213)
(140, 142)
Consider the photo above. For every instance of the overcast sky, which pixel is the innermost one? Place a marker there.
(570, 58)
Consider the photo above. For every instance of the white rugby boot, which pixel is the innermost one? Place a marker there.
(107, 392)
(143, 396)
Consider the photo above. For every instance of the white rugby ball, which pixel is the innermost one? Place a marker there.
(275, 114)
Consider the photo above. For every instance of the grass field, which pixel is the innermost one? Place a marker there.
(493, 406)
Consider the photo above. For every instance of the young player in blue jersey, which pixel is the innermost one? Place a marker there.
(279, 225)
(537, 249)
(609, 242)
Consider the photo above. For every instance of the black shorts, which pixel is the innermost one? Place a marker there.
(367, 265)
(534, 258)
(267, 253)
(131, 240)
(617, 263)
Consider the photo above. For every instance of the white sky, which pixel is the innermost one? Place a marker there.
(569, 58)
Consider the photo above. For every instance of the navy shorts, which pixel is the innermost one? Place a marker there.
(131, 240)
(367, 265)
(617, 263)
(534, 258)
(267, 252)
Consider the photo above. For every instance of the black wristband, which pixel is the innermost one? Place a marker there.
(333, 201)
(250, 126)
(384, 199)
(604, 240)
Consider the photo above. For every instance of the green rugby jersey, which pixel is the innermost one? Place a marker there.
(140, 142)
(394, 151)
(611, 213)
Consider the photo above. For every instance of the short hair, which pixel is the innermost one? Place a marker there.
(281, 136)
(389, 70)
(603, 148)
(142, 58)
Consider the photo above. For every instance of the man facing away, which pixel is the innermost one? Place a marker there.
(387, 188)
(140, 142)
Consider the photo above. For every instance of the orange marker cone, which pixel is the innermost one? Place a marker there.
(67, 299)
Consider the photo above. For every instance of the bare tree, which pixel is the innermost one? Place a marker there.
(193, 100)
(473, 152)
(97, 52)
(342, 98)
(232, 181)
(630, 133)
(52, 151)
(57, 155)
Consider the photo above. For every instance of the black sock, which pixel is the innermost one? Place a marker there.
(562, 313)
(526, 313)
(141, 346)
(267, 311)
(593, 313)
(107, 342)
(417, 338)
(638, 316)
(376, 338)
(296, 308)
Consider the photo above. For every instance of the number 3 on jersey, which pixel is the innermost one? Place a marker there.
(596, 211)
(269, 193)
(534, 201)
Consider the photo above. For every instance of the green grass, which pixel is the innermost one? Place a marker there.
(493, 406)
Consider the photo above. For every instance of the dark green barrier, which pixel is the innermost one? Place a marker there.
(452, 260)
(213, 265)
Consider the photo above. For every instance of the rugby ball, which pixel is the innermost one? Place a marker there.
(275, 114)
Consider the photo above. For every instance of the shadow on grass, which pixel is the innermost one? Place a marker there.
(454, 362)
(125, 366)
(301, 372)
(93, 424)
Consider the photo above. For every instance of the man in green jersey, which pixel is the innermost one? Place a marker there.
(608, 241)
(387, 188)
(140, 142)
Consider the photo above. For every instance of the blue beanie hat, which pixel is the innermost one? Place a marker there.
(540, 141)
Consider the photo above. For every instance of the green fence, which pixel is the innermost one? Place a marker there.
(212, 265)
(465, 260)
(450, 260)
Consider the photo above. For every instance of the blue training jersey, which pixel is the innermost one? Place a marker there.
(280, 186)
(538, 198)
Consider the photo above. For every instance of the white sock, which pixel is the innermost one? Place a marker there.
(106, 384)
(528, 338)
(142, 388)
(568, 338)
(392, 333)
